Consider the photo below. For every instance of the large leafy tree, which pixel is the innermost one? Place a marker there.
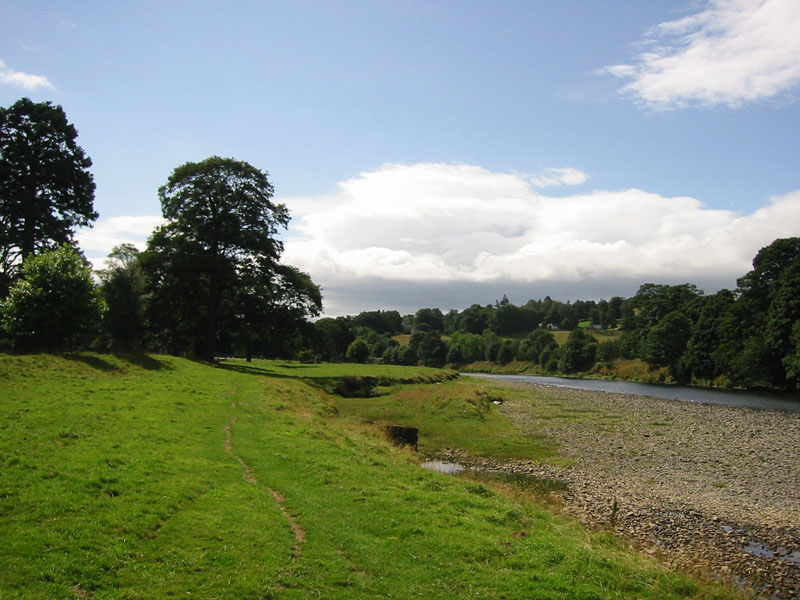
(756, 330)
(213, 270)
(54, 305)
(46, 189)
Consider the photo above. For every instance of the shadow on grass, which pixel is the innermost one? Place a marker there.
(92, 361)
(347, 386)
(251, 370)
(143, 361)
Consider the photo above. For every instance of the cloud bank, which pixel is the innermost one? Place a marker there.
(731, 53)
(459, 234)
(22, 80)
(449, 235)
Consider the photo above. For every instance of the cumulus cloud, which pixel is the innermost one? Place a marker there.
(419, 227)
(563, 176)
(22, 80)
(450, 235)
(730, 53)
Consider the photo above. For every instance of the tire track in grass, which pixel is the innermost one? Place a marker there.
(297, 531)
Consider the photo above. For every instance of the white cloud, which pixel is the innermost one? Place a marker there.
(730, 53)
(98, 241)
(450, 235)
(23, 80)
(563, 176)
(425, 224)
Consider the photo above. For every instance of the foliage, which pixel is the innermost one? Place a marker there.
(46, 189)
(332, 337)
(578, 353)
(532, 347)
(358, 351)
(608, 351)
(430, 318)
(54, 305)
(380, 321)
(122, 289)
(666, 341)
(212, 270)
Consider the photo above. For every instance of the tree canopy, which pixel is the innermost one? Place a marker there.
(54, 305)
(213, 269)
(46, 189)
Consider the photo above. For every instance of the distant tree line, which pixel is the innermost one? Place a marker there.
(748, 337)
(210, 281)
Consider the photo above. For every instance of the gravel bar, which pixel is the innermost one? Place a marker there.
(709, 488)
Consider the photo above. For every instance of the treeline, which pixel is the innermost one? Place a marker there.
(748, 337)
(209, 283)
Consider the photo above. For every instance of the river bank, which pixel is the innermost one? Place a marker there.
(706, 487)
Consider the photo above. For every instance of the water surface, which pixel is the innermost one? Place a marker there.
(759, 400)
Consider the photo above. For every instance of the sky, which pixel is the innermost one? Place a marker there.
(443, 153)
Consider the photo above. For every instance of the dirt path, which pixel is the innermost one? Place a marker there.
(706, 487)
(297, 531)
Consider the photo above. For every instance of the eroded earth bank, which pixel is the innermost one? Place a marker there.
(705, 487)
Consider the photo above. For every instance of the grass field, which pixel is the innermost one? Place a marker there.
(159, 477)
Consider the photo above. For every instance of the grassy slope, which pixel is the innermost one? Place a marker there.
(115, 482)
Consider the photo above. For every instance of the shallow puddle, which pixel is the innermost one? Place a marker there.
(439, 466)
(764, 551)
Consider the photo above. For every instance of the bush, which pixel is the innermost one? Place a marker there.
(358, 351)
(54, 305)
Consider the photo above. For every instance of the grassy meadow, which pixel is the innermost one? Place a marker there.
(160, 477)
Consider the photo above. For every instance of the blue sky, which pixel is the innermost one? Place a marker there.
(444, 153)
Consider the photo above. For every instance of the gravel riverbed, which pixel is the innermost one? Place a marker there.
(705, 487)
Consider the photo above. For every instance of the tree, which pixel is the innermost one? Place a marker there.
(474, 319)
(122, 289)
(358, 351)
(333, 336)
(756, 328)
(532, 346)
(430, 318)
(54, 305)
(380, 321)
(507, 351)
(212, 269)
(431, 350)
(46, 189)
(697, 360)
(608, 351)
(666, 341)
(578, 352)
(471, 347)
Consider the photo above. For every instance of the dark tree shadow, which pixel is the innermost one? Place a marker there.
(92, 361)
(251, 370)
(143, 361)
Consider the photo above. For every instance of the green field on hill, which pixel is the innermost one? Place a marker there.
(159, 477)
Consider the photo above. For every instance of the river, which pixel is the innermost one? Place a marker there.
(763, 401)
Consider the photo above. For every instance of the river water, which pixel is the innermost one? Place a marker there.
(697, 395)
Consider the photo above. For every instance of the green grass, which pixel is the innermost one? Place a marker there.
(456, 414)
(115, 482)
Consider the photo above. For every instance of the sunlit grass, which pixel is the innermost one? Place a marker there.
(115, 482)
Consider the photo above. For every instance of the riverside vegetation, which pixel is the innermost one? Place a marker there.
(154, 476)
